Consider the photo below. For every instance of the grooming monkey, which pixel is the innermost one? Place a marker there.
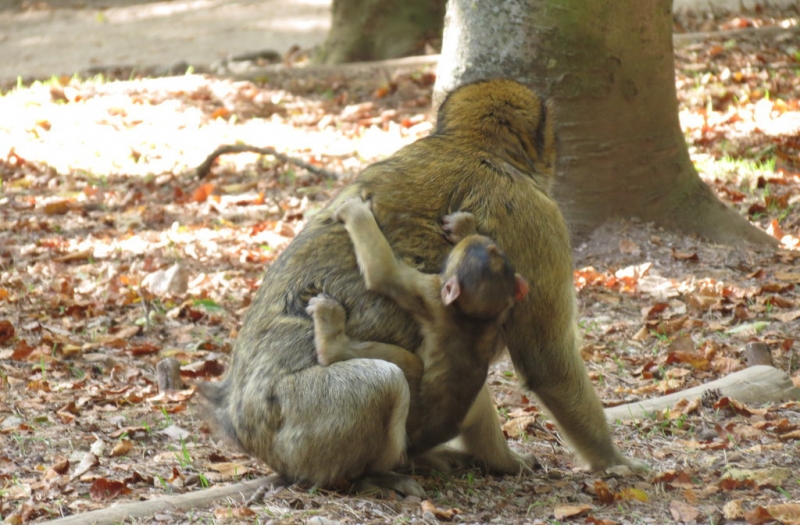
(492, 154)
(461, 312)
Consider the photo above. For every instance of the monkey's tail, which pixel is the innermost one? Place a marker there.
(214, 404)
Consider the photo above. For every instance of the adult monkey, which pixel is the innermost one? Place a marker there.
(492, 154)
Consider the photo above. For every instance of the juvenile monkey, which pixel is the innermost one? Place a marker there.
(460, 311)
(493, 153)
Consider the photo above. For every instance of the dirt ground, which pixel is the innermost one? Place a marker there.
(114, 256)
(40, 38)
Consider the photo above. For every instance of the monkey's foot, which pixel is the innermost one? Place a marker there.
(447, 459)
(383, 484)
(329, 319)
(633, 466)
(458, 225)
(269, 484)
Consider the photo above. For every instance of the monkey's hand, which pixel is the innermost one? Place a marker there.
(458, 225)
(351, 208)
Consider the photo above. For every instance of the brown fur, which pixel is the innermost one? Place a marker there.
(492, 154)
(461, 313)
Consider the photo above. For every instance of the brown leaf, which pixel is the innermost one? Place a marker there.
(57, 207)
(144, 349)
(439, 513)
(103, 489)
(786, 317)
(6, 331)
(22, 350)
(775, 230)
(202, 193)
(568, 511)
(604, 493)
(61, 466)
(691, 496)
(673, 325)
(224, 513)
(792, 277)
(697, 361)
(229, 468)
(655, 310)
(684, 256)
(591, 520)
(737, 484)
(683, 512)
(737, 407)
(515, 428)
(785, 512)
(790, 436)
(632, 493)
(758, 516)
(88, 461)
(75, 256)
(733, 510)
(121, 448)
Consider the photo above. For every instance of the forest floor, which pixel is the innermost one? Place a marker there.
(99, 199)
(40, 38)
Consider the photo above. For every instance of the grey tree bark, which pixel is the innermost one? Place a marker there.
(609, 66)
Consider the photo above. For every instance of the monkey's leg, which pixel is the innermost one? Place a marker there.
(483, 439)
(333, 344)
(552, 366)
(346, 421)
(481, 442)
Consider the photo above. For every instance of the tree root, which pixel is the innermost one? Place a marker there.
(203, 169)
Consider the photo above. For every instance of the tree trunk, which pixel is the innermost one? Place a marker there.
(609, 66)
(363, 30)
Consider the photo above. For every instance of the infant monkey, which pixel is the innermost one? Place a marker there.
(461, 313)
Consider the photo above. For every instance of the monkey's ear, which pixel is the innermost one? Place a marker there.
(450, 291)
(521, 287)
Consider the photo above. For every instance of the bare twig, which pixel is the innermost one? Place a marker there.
(203, 169)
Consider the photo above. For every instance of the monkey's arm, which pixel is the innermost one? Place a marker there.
(383, 272)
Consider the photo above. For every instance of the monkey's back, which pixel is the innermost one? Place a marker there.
(467, 169)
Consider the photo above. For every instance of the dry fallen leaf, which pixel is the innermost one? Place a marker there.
(121, 448)
(88, 461)
(603, 492)
(226, 513)
(104, 489)
(568, 511)
(439, 513)
(683, 512)
(229, 468)
(733, 509)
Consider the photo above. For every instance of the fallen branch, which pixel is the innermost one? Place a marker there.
(379, 71)
(735, 34)
(238, 493)
(203, 169)
(310, 76)
(756, 384)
